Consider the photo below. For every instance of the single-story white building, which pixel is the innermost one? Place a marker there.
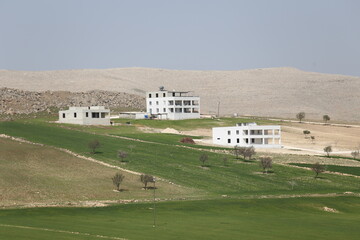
(134, 115)
(95, 115)
(248, 134)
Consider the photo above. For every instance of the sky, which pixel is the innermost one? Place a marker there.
(312, 35)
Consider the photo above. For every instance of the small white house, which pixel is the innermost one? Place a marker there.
(248, 134)
(173, 105)
(95, 115)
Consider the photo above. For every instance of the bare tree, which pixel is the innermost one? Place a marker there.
(328, 150)
(122, 155)
(249, 152)
(93, 145)
(266, 163)
(117, 180)
(355, 154)
(318, 168)
(237, 151)
(300, 116)
(326, 118)
(306, 133)
(292, 183)
(203, 158)
(145, 179)
(225, 161)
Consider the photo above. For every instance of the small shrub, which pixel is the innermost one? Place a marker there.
(93, 145)
(266, 163)
(318, 168)
(145, 179)
(188, 140)
(117, 180)
(203, 159)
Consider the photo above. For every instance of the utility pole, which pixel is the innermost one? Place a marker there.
(218, 109)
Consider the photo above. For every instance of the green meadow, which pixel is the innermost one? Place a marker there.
(234, 199)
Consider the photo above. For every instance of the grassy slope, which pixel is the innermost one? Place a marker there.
(182, 165)
(334, 168)
(211, 219)
(30, 173)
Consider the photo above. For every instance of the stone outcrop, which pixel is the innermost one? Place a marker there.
(14, 101)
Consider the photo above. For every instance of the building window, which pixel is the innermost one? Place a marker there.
(229, 140)
(187, 110)
(150, 103)
(237, 140)
(195, 110)
(164, 109)
(247, 140)
(149, 95)
(218, 138)
(178, 110)
(157, 110)
(171, 110)
(173, 94)
(95, 115)
(75, 115)
(63, 115)
(87, 114)
(157, 95)
(171, 102)
(157, 102)
(237, 132)
(229, 132)
(103, 115)
(150, 111)
(253, 140)
(164, 94)
(178, 103)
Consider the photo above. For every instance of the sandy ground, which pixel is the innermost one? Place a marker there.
(272, 92)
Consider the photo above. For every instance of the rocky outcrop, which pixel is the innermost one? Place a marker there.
(14, 101)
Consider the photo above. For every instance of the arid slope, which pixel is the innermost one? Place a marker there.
(277, 92)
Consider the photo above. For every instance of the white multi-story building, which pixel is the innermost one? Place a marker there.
(173, 105)
(95, 115)
(248, 134)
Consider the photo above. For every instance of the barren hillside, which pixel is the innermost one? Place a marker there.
(277, 92)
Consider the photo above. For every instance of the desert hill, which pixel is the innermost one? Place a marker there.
(276, 92)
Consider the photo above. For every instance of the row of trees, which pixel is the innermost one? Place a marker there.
(118, 178)
(301, 115)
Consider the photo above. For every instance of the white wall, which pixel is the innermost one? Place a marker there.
(161, 105)
(81, 117)
(235, 136)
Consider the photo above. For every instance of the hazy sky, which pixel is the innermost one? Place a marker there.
(313, 35)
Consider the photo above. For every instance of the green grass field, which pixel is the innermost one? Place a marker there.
(27, 169)
(208, 219)
(182, 166)
(334, 168)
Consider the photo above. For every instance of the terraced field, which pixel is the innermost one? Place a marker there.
(229, 196)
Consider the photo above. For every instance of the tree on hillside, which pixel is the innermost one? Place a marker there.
(122, 155)
(318, 168)
(355, 154)
(225, 161)
(93, 145)
(145, 179)
(306, 133)
(249, 152)
(203, 158)
(117, 180)
(326, 118)
(266, 163)
(312, 139)
(237, 151)
(328, 150)
(300, 116)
